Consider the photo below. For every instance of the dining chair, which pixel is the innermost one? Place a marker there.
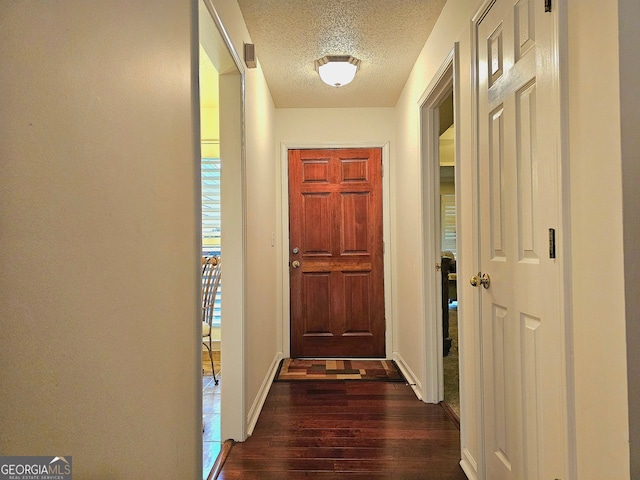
(211, 272)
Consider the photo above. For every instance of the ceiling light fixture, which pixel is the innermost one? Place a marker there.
(337, 70)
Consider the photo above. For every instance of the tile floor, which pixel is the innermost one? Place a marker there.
(211, 441)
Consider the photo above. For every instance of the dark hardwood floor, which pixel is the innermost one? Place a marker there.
(347, 430)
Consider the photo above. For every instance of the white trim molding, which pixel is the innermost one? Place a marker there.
(261, 397)
(441, 85)
(412, 379)
(234, 204)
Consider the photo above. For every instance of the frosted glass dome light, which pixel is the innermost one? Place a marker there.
(337, 70)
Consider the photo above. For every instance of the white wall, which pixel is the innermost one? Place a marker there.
(263, 303)
(452, 26)
(99, 238)
(339, 126)
(597, 247)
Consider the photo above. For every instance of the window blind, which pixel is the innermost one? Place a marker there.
(448, 222)
(211, 230)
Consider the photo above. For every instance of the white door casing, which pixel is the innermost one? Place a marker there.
(285, 334)
(214, 37)
(523, 384)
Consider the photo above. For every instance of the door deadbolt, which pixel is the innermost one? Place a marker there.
(480, 279)
(295, 250)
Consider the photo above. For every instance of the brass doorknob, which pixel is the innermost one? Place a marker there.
(480, 279)
(295, 264)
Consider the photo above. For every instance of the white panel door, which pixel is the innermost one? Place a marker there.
(521, 321)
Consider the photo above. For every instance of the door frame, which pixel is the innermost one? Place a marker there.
(285, 334)
(233, 204)
(444, 81)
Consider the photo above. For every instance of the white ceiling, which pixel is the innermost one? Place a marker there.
(386, 35)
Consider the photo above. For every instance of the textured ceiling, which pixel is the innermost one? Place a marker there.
(386, 35)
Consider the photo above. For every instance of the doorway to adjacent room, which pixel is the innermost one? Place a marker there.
(223, 204)
(441, 242)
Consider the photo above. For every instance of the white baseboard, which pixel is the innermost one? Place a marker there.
(468, 465)
(411, 377)
(261, 397)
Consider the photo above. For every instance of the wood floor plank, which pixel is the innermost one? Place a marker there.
(334, 476)
(347, 430)
(434, 453)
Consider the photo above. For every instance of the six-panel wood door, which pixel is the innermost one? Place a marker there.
(521, 319)
(336, 253)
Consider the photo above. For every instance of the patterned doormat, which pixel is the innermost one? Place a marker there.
(369, 370)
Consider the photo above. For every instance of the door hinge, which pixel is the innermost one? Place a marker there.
(547, 5)
(383, 247)
(381, 168)
(552, 243)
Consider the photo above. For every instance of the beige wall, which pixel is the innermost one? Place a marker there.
(597, 249)
(99, 237)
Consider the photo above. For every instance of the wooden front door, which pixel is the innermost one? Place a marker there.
(336, 257)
